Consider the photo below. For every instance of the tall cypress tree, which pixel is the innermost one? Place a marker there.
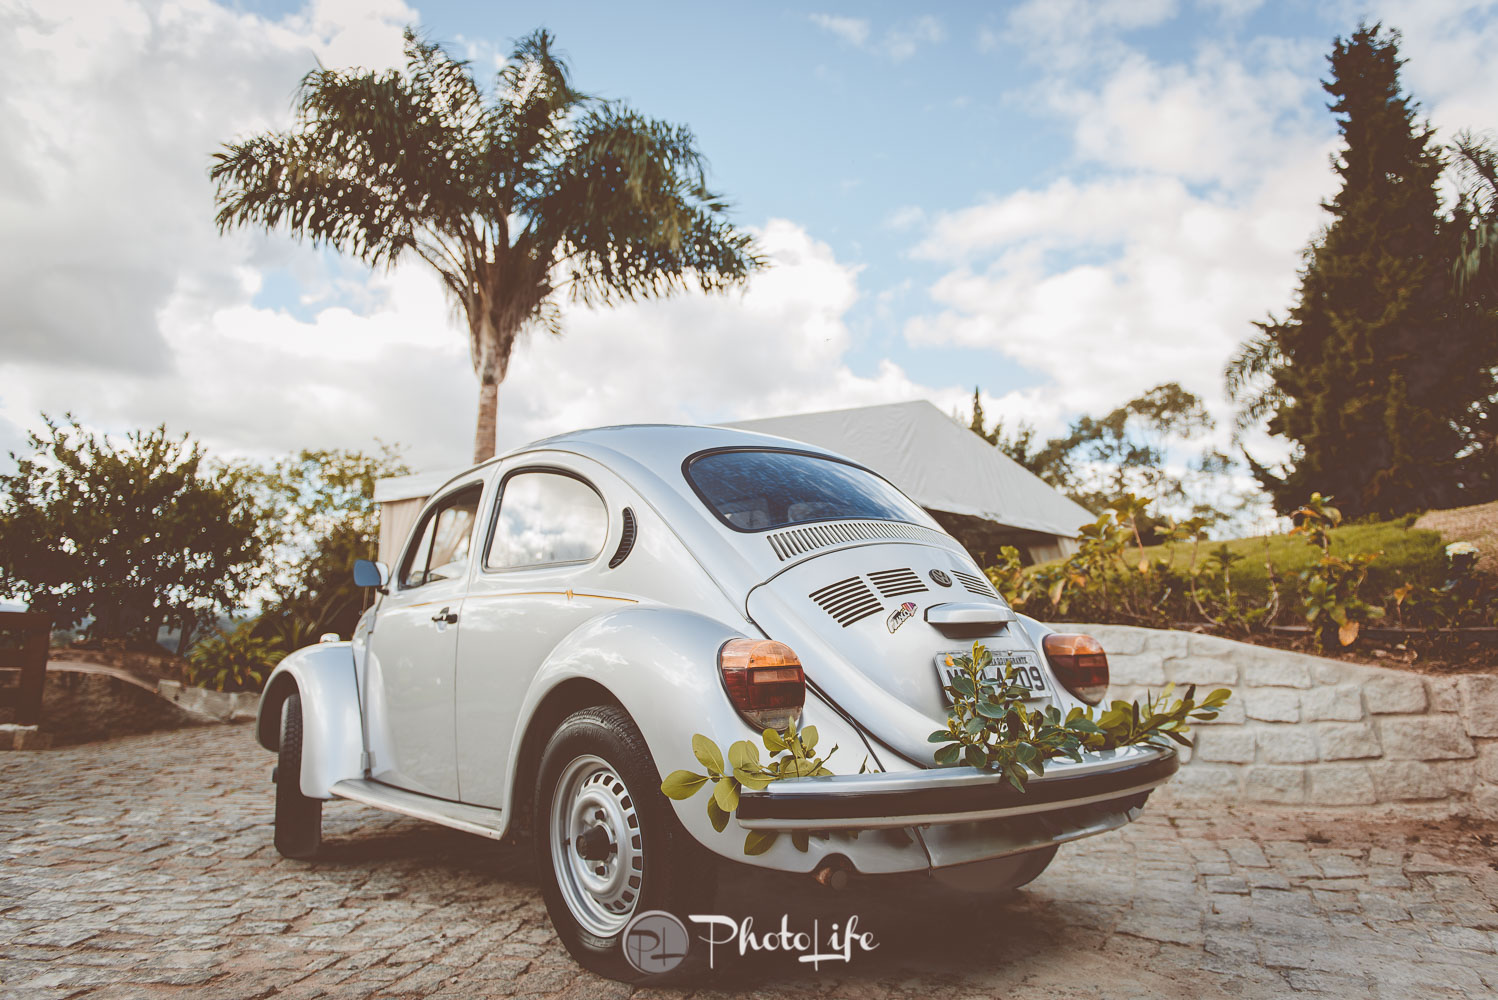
(1372, 371)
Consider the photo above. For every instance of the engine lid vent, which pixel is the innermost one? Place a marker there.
(847, 601)
(895, 582)
(975, 584)
(793, 542)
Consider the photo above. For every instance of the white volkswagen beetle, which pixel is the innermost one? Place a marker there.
(563, 618)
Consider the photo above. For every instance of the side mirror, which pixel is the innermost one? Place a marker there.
(371, 574)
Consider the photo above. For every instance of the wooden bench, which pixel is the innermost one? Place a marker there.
(24, 638)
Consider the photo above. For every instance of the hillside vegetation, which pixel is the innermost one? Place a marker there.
(1407, 555)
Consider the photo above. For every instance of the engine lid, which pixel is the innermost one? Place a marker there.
(873, 624)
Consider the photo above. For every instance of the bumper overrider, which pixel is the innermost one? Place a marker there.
(1106, 781)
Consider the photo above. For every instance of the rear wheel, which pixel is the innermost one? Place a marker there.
(608, 845)
(298, 818)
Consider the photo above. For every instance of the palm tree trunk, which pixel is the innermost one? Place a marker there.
(487, 430)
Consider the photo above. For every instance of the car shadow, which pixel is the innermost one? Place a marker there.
(915, 925)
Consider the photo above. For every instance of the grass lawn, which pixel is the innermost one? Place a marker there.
(1409, 554)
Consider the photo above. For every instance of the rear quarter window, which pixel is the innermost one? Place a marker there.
(546, 518)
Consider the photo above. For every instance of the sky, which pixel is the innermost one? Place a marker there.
(1063, 202)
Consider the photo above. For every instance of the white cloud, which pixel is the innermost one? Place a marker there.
(898, 43)
(1199, 185)
(1226, 117)
(1066, 34)
(853, 30)
(1449, 66)
(775, 348)
(1195, 185)
(127, 308)
(112, 110)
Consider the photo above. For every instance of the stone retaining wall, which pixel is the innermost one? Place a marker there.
(1303, 728)
(221, 705)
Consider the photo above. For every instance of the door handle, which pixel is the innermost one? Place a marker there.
(446, 615)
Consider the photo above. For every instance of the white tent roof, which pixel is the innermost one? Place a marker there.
(939, 464)
(416, 486)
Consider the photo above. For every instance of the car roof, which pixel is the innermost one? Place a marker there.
(670, 444)
(660, 448)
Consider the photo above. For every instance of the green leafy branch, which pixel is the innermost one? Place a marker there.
(990, 726)
(1330, 598)
(791, 756)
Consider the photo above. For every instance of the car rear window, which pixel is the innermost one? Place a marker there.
(758, 490)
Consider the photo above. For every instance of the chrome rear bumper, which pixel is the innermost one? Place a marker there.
(944, 796)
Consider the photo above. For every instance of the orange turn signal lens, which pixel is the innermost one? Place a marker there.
(764, 680)
(1080, 664)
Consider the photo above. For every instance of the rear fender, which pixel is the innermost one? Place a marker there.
(332, 734)
(660, 666)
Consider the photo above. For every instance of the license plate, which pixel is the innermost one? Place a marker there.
(1026, 669)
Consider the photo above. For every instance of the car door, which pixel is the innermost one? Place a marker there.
(537, 583)
(413, 649)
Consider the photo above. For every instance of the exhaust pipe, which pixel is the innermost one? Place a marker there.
(833, 872)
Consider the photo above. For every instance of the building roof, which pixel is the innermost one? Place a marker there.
(940, 464)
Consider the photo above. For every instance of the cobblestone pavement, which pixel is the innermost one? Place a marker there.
(142, 868)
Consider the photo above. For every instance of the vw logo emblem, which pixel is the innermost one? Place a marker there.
(940, 579)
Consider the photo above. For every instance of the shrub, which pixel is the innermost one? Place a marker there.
(236, 660)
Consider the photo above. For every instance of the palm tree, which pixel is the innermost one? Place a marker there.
(513, 198)
(1475, 160)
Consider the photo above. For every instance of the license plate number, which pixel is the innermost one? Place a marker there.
(1026, 669)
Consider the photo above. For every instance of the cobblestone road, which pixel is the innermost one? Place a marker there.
(142, 868)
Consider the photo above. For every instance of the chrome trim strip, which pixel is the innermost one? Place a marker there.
(417, 806)
(940, 819)
(1098, 762)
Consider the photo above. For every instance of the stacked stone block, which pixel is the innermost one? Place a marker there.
(1306, 729)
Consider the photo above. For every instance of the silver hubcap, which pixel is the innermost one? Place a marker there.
(595, 845)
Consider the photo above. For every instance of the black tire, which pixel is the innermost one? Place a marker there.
(298, 818)
(675, 873)
(1035, 863)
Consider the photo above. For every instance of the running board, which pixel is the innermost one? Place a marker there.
(470, 819)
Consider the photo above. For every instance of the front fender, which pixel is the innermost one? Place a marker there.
(332, 733)
(660, 664)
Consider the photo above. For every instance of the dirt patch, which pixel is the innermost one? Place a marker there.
(1478, 525)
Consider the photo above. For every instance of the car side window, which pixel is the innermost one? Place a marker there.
(546, 518)
(445, 539)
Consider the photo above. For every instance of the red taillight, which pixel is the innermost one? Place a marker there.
(1080, 664)
(764, 681)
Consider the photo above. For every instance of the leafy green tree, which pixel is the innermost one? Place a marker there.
(512, 197)
(136, 536)
(1020, 446)
(1378, 369)
(1100, 461)
(324, 501)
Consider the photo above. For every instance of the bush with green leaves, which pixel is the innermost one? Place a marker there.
(1329, 596)
(233, 660)
(990, 726)
(791, 756)
(130, 534)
